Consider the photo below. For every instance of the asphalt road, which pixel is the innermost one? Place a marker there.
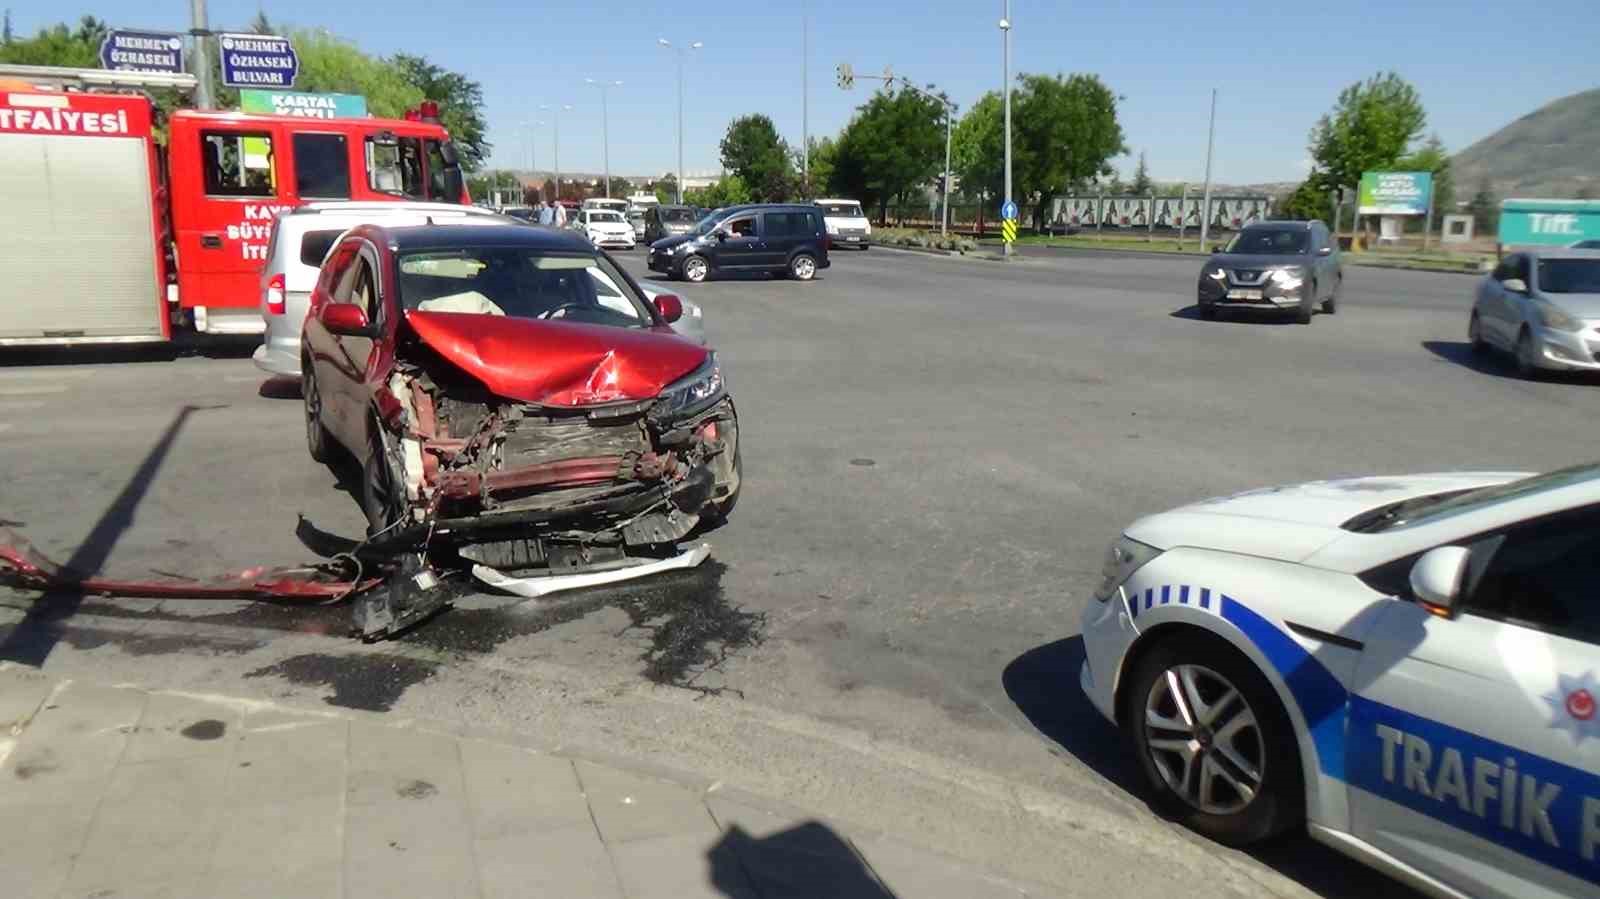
(936, 451)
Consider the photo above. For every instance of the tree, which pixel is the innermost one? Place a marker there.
(547, 191)
(58, 45)
(893, 145)
(730, 191)
(1431, 157)
(481, 184)
(977, 152)
(620, 187)
(665, 188)
(1064, 133)
(460, 102)
(1141, 185)
(753, 150)
(331, 64)
(1485, 209)
(260, 24)
(1311, 200)
(1370, 127)
(818, 178)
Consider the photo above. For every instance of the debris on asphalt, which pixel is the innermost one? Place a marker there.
(533, 587)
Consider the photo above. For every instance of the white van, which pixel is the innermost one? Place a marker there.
(847, 225)
(301, 238)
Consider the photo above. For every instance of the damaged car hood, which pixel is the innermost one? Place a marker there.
(557, 363)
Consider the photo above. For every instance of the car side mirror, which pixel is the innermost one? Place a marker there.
(670, 306)
(1438, 578)
(1325, 251)
(1515, 285)
(1216, 248)
(345, 319)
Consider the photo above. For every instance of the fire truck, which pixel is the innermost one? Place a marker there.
(121, 225)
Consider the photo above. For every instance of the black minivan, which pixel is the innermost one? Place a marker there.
(782, 238)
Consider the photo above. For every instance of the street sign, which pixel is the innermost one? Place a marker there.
(308, 106)
(258, 60)
(847, 76)
(1008, 230)
(1009, 210)
(142, 51)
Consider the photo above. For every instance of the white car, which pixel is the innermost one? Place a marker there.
(607, 229)
(847, 225)
(1408, 666)
(300, 239)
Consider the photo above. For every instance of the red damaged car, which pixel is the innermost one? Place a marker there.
(512, 395)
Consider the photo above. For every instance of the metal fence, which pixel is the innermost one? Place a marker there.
(1108, 215)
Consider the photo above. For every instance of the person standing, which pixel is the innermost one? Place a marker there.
(559, 218)
(545, 215)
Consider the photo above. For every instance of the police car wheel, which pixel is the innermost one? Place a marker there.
(1214, 743)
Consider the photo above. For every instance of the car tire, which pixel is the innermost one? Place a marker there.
(1331, 304)
(1527, 357)
(803, 267)
(380, 501)
(1475, 335)
(1262, 738)
(318, 441)
(695, 269)
(1306, 310)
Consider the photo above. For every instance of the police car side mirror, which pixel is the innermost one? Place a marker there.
(1437, 578)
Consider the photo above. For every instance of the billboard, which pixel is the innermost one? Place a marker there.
(1227, 213)
(1395, 193)
(304, 105)
(1557, 223)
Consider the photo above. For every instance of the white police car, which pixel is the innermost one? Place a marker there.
(1408, 665)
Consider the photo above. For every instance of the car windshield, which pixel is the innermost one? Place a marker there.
(842, 210)
(603, 216)
(521, 283)
(1569, 275)
(1270, 242)
(1428, 509)
(677, 215)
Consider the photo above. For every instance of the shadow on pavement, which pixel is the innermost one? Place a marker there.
(1236, 316)
(809, 859)
(32, 639)
(1043, 682)
(211, 347)
(1497, 363)
(279, 387)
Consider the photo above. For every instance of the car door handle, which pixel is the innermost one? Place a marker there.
(211, 241)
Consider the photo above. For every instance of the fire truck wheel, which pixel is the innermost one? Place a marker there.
(318, 440)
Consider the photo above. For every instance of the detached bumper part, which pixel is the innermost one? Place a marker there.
(534, 587)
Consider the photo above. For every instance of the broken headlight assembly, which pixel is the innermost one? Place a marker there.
(1125, 556)
(690, 394)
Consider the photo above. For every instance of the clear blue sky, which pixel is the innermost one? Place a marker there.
(1277, 65)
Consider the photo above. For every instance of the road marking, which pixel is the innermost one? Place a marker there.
(34, 390)
(240, 379)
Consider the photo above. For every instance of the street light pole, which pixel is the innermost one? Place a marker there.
(805, 96)
(681, 51)
(558, 110)
(605, 134)
(1005, 32)
(944, 226)
(1205, 204)
(202, 54)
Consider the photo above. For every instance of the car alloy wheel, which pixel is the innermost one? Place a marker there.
(1204, 740)
(803, 267)
(318, 439)
(695, 269)
(382, 497)
(1527, 355)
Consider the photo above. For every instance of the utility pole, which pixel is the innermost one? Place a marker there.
(1205, 204)
(557, 110)
(847, 80)
(605, 134)
(1005, 32)
(681, 51)
(200, 29)
(805, 95)
(944, 226)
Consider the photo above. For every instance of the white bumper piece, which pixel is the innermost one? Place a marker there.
(533, 587)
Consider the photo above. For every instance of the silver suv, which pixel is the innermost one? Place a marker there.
(1277, 266)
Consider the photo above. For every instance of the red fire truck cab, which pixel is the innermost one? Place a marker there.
(112, 236)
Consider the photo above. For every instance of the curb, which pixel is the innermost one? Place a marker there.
(1350, 259)
(979, 255)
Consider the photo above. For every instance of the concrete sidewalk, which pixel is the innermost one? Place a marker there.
(117, 791)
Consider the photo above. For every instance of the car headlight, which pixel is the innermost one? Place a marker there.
(1216, 274)
(701, 388)
(1125, 556)
(1289, 277)
(1551, 317)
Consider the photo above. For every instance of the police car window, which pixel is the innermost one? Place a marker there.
(1543, 576)
(321, 166)
(236, 164)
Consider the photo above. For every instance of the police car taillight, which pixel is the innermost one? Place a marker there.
(275, 288)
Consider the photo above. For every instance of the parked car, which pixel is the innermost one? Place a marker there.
(1274, 266)
(606, 228)
(1404, 667)
(1543, 307)
(779, 238)
(847, 224)
(513, 386)
(670, 221)
(300, 239)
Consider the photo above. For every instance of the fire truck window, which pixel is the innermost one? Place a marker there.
(237, 165)
(396, 167)
(321, 167)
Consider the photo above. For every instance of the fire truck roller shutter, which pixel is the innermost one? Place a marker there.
(78, 259)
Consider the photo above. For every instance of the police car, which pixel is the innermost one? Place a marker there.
(1408, 666)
